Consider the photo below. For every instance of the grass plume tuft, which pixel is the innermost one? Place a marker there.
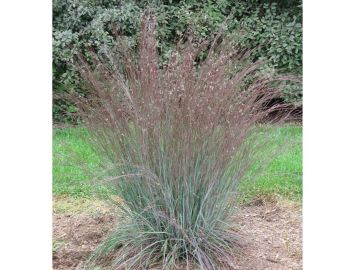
(173, 143)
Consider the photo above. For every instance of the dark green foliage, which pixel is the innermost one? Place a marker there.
(78, 24)
(275, 30)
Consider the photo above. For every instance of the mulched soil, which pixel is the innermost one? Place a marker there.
(272, 233)
(75, 236)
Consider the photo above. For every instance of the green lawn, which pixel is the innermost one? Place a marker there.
(68, 176)
(282, 177)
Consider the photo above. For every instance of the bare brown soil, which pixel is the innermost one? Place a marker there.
(272, 233)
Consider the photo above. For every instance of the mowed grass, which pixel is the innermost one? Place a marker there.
(282, 177)
(68, 177)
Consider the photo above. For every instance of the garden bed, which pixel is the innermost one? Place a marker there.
(272, 233)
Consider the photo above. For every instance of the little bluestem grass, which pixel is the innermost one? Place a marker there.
(172, 145)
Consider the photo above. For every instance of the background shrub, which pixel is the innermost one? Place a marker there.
(275, 30)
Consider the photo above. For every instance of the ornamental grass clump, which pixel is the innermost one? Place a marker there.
(174, 141)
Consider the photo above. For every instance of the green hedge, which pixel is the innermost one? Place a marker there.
(275, 30)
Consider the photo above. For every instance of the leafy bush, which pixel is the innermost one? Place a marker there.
(275, 30)
(277, 37)
(174, 143)
(78, 24)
